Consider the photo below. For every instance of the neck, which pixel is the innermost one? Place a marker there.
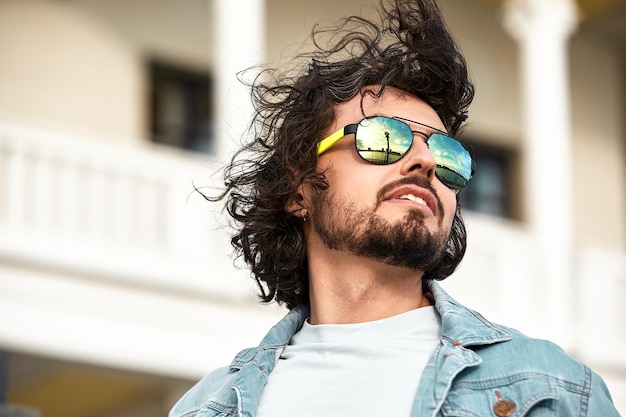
(345, 288)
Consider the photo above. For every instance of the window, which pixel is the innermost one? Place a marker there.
(181, 107)
(491, 190)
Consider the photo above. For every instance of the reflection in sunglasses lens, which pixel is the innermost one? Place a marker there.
(382, 140)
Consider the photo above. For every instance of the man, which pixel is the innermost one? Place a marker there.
(347, 208)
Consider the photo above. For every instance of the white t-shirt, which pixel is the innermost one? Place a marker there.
(363, 369)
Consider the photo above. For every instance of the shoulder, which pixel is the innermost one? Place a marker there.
(216, 393)
(215, 387)
(527, 357)
(528, 354)
(528, 368)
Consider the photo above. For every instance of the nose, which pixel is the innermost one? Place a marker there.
(419, 159)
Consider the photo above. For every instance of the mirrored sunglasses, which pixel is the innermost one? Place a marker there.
(382, 140)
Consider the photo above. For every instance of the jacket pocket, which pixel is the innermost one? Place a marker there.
(514, 396)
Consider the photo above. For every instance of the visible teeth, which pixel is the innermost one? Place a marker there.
(412, 198)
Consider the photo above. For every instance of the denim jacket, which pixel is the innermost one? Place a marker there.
(478, 369)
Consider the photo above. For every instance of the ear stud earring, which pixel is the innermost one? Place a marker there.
(303, 213)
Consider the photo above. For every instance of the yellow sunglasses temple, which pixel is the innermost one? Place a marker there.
(330, 141)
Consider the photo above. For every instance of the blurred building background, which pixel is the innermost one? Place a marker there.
(117, 289)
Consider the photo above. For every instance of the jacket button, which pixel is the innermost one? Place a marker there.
(503, 408)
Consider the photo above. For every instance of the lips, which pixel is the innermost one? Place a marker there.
(412, 194)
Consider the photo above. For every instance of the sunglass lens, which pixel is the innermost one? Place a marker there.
(449, 178)
(382, 140)
(454, 163)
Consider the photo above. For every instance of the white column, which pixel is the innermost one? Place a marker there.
(240, 44)
(542, 29)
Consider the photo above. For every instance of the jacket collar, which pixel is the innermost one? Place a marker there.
(459, 325)
(278, 336)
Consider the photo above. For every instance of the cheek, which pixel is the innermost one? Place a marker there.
(448, 200)
(348, 178)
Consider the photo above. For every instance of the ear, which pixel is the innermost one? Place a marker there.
(297, 205)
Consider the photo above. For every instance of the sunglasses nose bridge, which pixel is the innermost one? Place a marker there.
(419, 159)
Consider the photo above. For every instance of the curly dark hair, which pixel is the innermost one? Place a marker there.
(410, 49)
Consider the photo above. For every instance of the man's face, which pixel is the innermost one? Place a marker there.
(399, 214)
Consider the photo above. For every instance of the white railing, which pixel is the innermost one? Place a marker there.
(130, 213)
(112, 211)
(108, 256)
(128, 216)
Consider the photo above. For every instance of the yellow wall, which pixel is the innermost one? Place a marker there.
(597, 80)
(61, 68)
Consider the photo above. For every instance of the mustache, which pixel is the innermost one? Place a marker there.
(419, 181)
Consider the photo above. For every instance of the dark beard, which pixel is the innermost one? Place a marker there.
(406, 243)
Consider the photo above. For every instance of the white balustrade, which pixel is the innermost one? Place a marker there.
(113, 211)
(122, 226)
